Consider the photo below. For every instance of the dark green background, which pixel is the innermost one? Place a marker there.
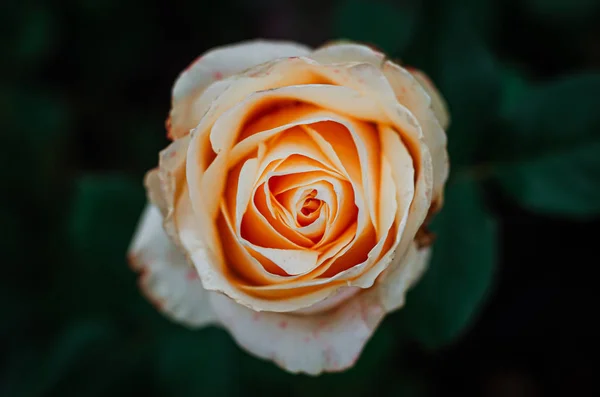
(506, 308)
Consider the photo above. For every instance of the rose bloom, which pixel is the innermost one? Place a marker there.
(291, 206)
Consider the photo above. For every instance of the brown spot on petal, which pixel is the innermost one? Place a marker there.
(283, 324)
(133, 262)
(424, 237)
(143, 285)
(434, 208)
(217, 75)
(168, 126)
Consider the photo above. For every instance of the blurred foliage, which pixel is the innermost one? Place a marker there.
(84, 92)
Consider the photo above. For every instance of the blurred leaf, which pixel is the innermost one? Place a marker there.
(198, 363)
(80, 343)
(460, 273)
(32, 33)
(384, 24)
(37, 126)
(481, 15)
(553, 132)
(470, 80)
(564, 184)
(106, 209)
(104, 213)
(74, 346)
(146, 138)
(547, 118)
(514, 86)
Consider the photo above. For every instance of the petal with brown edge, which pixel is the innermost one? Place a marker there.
(166, 278)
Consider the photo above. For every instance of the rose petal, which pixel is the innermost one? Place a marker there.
(330, 341)
(338, 99)
(347, 52)
(167, 279)
(293, 262)
(154, 190)
(293, 141)
(402, 274)
(215, 65)
(396, 153)
(364, 78)
(257, 271)
(206, 206)
(215, 275)
(364, 244)
(259, 211)
(388, 203)
(310, 344)
(438, 104)
(418, 100)
(171, 178)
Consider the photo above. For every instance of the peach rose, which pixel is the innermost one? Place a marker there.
(290, 206)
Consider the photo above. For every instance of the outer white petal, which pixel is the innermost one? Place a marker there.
(214, 65)
(330, 341)
(166, 278)
(438, 104)
(347, 52)
(425, 104)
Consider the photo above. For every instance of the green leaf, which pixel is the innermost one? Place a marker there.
(198, 363)
(553, 143)
(105, 211)
(31, 33)
(514, 86)
(482, 14)
(460, 273)
(386, 25)
(80, 344)
(562, 184)
(470, 80)
(37, 126)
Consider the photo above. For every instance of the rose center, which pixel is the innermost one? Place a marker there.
(308, 208)
(310, 205)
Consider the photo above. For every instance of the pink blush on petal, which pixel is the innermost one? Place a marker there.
(191, 275)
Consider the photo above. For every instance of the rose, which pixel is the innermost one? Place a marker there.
(291, 206)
